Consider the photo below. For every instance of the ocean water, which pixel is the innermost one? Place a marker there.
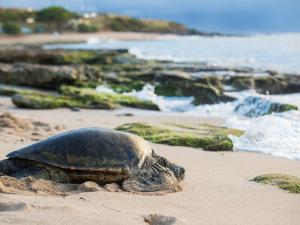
(279, 52)
(277, 134)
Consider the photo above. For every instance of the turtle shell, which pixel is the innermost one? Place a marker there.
(92, 149)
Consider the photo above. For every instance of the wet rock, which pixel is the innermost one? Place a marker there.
(273, 84)
(254, 106)
(49, 77)
(73, 97)
(61, 57)
(207, 90)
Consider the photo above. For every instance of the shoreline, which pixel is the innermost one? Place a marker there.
(38, 39)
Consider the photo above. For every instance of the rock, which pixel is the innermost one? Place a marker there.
(241, 82)
(225, 145)
(91, 97)
(156, 219)
(205, 90)
(273, 84)
(126, 114)
(49, 77)
(254, 106)
(61, 57)
(42, 101)
(73, 97)
(74, 109)
(204, 136)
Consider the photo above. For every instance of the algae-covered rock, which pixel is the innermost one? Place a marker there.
(64, 57)
(73, 97)
(204, 90)
(272, 84)
(204, 136)
(254, 106)
(49, 77)
(284, 182)
(241, 82)
(37, 100)
(9, 90)
(224, 145)
(90, 96)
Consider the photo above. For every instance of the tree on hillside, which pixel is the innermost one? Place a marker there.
(14, 15)
(54, 16)
(11, 28)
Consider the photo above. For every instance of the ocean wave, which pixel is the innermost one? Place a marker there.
(276, 134)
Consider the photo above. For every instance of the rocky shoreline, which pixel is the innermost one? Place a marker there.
(36, 78)
(123, 72)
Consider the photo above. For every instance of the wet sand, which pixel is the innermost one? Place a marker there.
(216, 191)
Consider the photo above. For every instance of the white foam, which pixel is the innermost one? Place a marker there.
(166, 104)
(105, 89)
(276, 134)
(93, 41)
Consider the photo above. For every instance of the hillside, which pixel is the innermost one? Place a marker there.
(58, 19)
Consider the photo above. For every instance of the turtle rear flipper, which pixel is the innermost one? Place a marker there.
(156, 179)
(7, 167)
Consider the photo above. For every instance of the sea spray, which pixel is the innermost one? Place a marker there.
(276, 134)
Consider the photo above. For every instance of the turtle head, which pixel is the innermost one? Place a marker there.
(177, 170)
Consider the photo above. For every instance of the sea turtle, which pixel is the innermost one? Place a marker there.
(95, 154)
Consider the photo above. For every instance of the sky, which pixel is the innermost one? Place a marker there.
(228, 16)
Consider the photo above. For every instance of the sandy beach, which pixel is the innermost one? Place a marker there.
(216, 190)
(79, 37)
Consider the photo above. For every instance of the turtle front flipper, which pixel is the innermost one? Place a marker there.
(155, 179)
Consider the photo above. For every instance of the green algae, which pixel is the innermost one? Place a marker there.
(282, 181)
(87, 95)
(204, 136)
(71, 97)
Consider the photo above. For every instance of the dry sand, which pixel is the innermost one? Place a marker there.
(78, 37)
(217, 190)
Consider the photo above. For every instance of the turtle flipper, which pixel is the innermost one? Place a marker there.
(156, 179)
(36, 172)
(2, 168)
